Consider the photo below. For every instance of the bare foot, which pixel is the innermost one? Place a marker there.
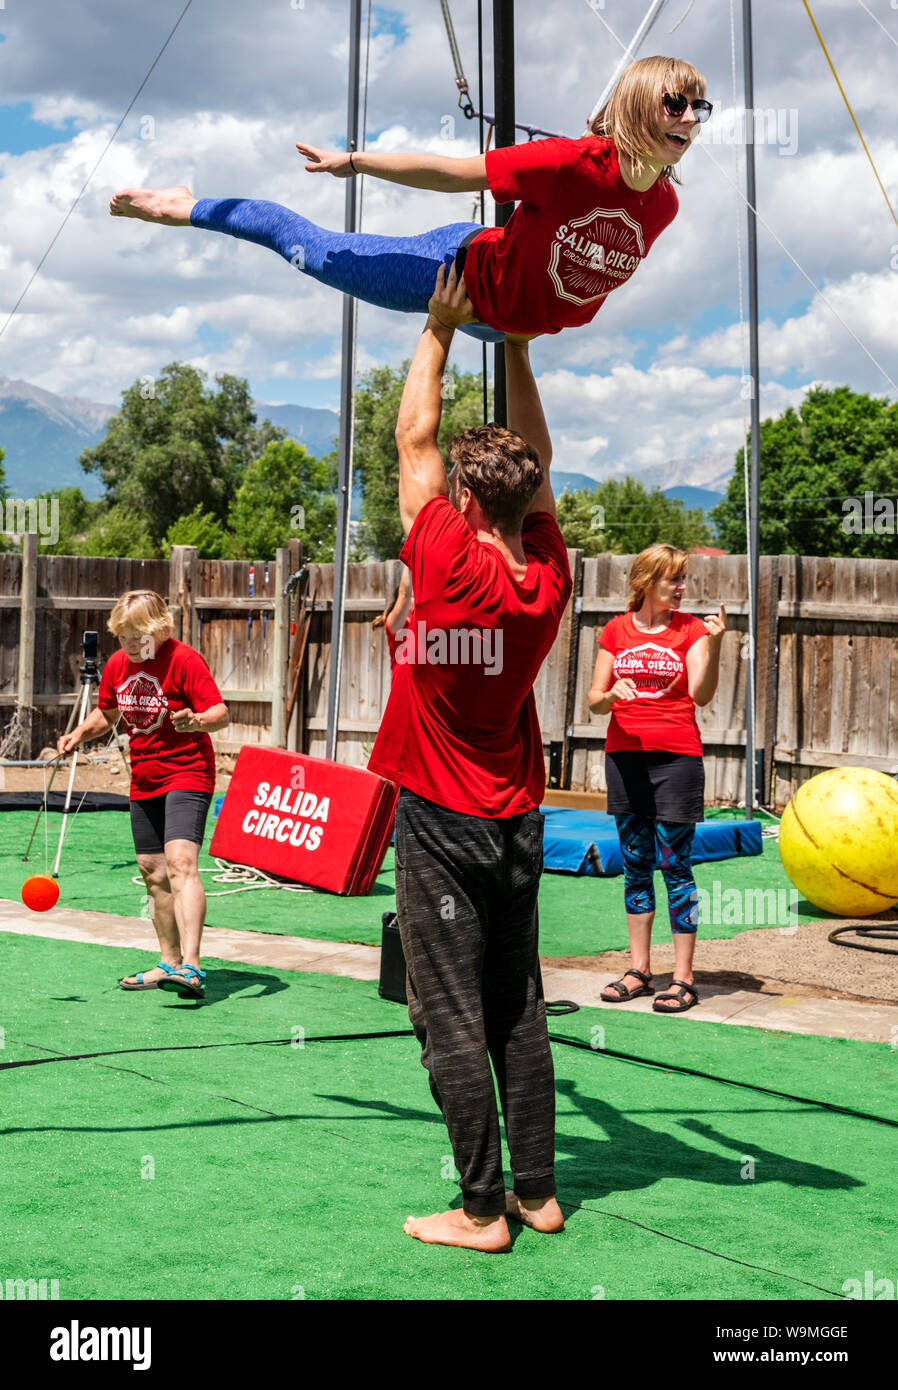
(170, 206)
(488, 1233)
(540, 1213)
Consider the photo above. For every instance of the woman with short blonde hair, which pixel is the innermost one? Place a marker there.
(654, 665)
(143, 610)
(165, 694)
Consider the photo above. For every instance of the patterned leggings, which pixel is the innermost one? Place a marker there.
(638, 837)
(393, 272)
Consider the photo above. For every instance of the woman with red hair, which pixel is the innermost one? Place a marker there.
(654, 665)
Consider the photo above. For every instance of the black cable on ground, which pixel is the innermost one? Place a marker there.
(723, 1080)
(193, 1047)
(705, 1249)
(408, 1033)
(882, 932)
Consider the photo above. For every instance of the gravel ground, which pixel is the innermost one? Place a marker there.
(770, 961)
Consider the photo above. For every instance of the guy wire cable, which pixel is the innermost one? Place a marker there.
(13, 311)
(850, 112)
(408, 1033)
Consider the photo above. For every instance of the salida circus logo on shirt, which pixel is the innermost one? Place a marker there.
(653, 669)
(594, 254)
(286, 814)
(142, 702)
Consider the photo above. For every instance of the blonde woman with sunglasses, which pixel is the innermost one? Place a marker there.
(589, 211)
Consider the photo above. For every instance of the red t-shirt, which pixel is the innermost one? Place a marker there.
(162, 760)
(577, 233)
(460, 727)
(662, 717)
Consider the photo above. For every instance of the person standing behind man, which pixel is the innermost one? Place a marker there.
(654, 665)
(395, 616)
(460, 735)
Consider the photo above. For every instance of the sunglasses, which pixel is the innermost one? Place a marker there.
(675, 104)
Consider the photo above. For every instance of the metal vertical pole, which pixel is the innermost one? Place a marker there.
(281, 653)
(754, 518)
(484, 356)
(347, 398)
(27, 650)
(503, 81)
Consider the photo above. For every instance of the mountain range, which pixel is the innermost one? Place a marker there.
(42, 435)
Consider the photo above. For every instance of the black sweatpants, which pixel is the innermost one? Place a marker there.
(466, 899)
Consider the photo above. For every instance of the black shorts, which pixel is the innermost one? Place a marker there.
(175, 815)
(664, 786)
(462, 253)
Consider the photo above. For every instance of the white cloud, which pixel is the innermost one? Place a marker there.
(816, 341)
(118, 299)
(648, 417)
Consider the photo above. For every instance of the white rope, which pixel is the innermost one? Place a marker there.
(630, 51)
(767, 227)
(46, 827)
(248, 879)
(889, 36)
(603, 20)
(683, 16)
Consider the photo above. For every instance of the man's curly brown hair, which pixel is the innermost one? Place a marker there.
(500, 469)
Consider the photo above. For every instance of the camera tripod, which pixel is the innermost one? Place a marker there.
(89, 672)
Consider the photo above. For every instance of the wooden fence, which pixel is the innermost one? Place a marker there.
(48, 601)
(827, 656)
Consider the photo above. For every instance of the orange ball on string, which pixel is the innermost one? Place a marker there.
(40, 892)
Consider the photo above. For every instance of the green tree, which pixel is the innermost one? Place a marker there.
(375, 455)
(285, 492)
(202, 529)
(621, 516)
(176, 445)
(119, 532)
(75, 516)
(839, 444)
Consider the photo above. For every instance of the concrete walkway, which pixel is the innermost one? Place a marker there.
(838, 1018)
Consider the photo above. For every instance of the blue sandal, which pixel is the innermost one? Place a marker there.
(151, 984)
(181, 981)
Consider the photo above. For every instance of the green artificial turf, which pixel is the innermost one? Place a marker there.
(281, 1172)
(579, 915)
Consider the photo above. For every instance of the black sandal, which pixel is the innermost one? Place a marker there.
(625, 993)
(676, 994)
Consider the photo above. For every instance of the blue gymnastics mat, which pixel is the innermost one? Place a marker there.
(585, 842)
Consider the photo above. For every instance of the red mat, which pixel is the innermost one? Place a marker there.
(306, 819)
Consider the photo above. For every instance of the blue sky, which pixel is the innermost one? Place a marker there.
(657, 374)
(19, 131)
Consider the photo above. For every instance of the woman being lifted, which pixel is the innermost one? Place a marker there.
(588, 213)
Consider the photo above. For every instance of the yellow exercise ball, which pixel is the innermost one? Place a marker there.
(839, 841)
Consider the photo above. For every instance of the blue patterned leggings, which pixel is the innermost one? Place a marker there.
(638, 838)
(392, 272)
